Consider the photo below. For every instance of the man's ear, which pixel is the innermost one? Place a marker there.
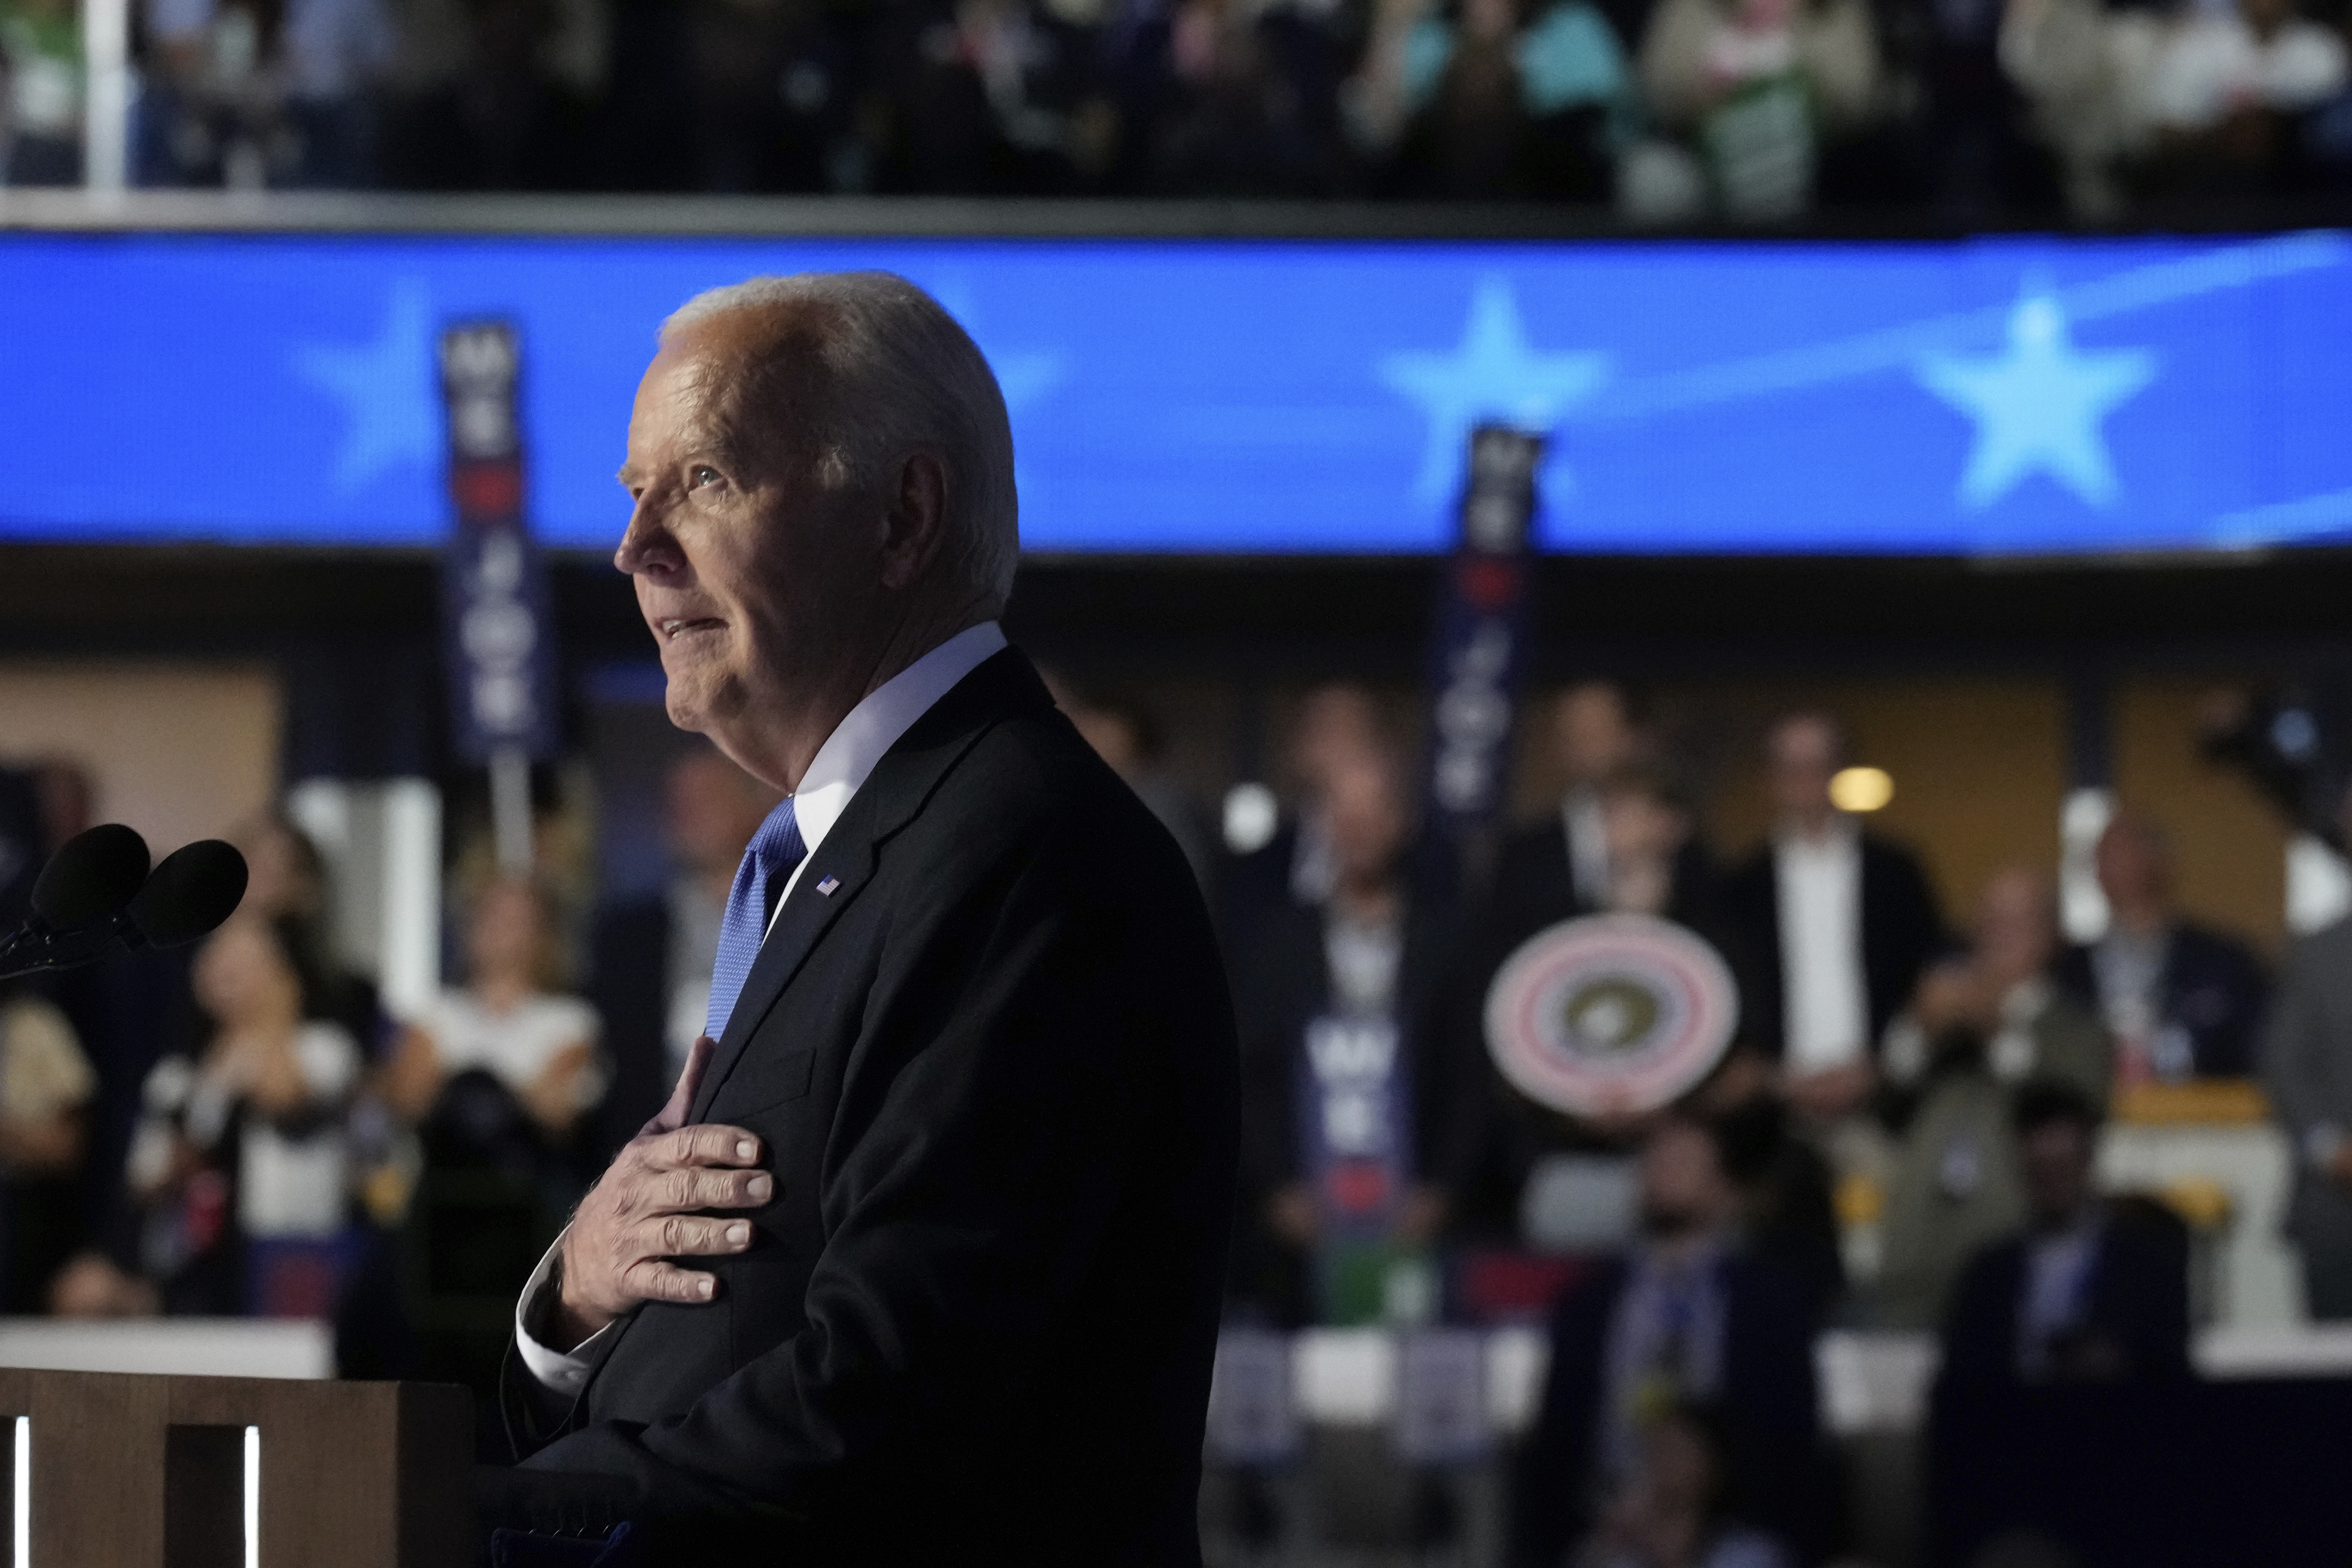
(913, 518)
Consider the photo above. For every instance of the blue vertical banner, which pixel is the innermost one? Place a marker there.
(500, 644)
(1478, 654)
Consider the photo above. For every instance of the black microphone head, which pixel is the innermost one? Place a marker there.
(196, 887)
(94, 873)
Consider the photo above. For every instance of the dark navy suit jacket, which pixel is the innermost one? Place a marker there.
(994, 1071)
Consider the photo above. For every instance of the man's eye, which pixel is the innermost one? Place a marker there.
(701, 476)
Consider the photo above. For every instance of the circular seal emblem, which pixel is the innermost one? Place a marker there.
(1610, 1013)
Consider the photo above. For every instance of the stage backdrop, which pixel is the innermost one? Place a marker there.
(1996, 396)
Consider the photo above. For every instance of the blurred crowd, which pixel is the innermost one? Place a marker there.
(1673, 110)
(1901, 1134)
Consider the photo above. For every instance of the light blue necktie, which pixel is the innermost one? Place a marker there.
(775, 851)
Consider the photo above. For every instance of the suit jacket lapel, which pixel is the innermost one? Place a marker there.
(1004, 684)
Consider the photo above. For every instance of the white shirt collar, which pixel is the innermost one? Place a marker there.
(842, 764)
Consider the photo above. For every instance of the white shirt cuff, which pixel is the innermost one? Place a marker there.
(2320, 1144)
(564, 1372)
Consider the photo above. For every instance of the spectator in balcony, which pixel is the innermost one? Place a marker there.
(991, 97)
(207, 106)
(1754, 87)
(1356, 1119)
(650, 974)
(2226, 91)
(2182, 1001)
(775, 91)
(333, 55)
(40, 92)
(1226, 98)
(238, 1164)
(2082, 67)
(1557, 868)
(495, 95)
(1983, 1027)
(512, 1021)
(2307, 1073)
(1485, 101)
(1840, 923)
(2087, 1292)
(1686, 1318)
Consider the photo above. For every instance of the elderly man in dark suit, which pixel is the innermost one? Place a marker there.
(922, 1260)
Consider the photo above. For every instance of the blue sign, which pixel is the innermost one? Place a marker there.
(1994, 395)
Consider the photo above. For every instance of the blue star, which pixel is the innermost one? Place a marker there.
(1495, 375)
(2038, 405)
(390, 403)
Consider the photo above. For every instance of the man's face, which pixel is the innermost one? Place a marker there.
(755, 576)
(2130, 864)
(2016, 931)
(1590, 730)
(2057, 1160)
(1801, 757)
(1364, 819)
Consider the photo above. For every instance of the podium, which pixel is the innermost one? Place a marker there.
(117, 1470)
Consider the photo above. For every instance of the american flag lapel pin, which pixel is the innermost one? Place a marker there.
(828, 885)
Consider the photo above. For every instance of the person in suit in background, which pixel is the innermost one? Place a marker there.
(924, 1258)
(1123, 734)
(2182, 1001)
(1337, 722)
(2088, 1291)
(653, 1010)
(1982, 1028)
(1841, 923)
(1688, 1317)
(1358, 1121)
(1558, 866)
(2306, 1071)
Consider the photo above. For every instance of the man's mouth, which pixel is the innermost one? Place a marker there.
(675, 626)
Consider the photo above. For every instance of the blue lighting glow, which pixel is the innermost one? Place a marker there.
(1994, 395)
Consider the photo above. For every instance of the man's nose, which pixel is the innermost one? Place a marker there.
(647, 544)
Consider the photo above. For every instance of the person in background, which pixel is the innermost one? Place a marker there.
(1788, 1210)
(2085, 1292)
(331, 58)
(1688, 1318)
(1226, 98)
(2180, 1000)
(1841, 924)
(45, 1089)
(1355, 1119)
(1122, 734)
(40, 92)
(989, 96)
(511, 1021)
(2225, 91)
(238, 1167)
(1678, 1510)
(1752, 86)
(649, 971)
(1984, 1028)
(1557, 868)
(2306, 1071)
(1488, 99)
(287, 876)
(1337, 723)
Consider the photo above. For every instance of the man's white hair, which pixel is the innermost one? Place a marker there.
(904, 375)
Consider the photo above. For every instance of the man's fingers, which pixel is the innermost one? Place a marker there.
(702, 1144)
(653, 1280)
(689, 1236)
(672, 1116)
(703, 1187)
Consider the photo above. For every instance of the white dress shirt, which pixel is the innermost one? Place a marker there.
(839, 769)
(1588, 845)
(1826, 1010)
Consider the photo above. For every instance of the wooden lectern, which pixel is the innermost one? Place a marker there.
(149, 1472)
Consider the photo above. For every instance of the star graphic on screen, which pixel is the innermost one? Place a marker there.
(2038, 405)
(1494, 375)
(385, 388)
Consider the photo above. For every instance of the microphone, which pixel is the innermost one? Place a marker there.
(96, 894)
(197, 886)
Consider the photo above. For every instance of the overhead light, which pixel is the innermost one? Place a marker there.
(1861, 789)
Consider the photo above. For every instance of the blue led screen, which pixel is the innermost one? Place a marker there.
(1994, 395)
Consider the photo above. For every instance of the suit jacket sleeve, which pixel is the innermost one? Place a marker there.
(995, 1103)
